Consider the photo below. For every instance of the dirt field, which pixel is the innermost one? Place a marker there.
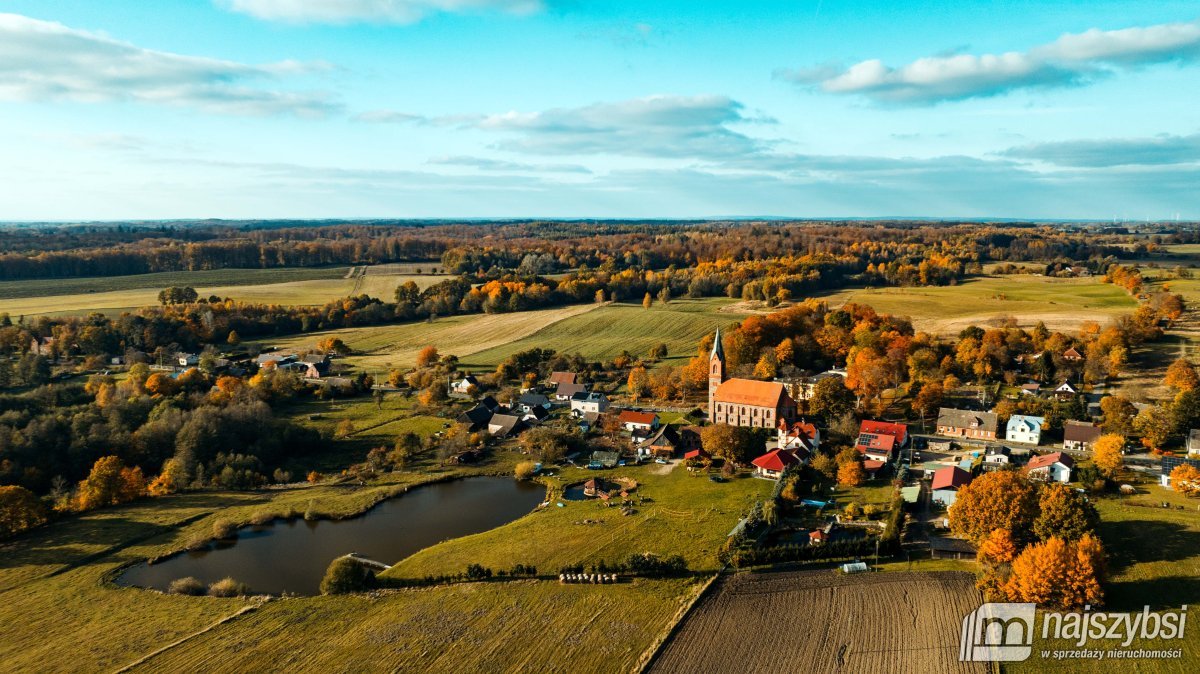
(818, 621)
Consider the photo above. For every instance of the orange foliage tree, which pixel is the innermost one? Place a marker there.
(109, 483)
(1059, 574)
(1186, 480)
(1181, 376)
(427, 356)
(19, 510)
(1106, 454)
(1001, 499)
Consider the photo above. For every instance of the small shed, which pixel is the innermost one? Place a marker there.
(854, 567)
(950, 548)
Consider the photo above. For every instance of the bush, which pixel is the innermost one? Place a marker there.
(524, 470)
(262, 517)
(477, 572)
(651, 565)
(224, 529)
(228, 587)
(188, 586)
(345, 575)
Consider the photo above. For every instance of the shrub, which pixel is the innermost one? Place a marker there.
(345, 575)
(650, 564)
(262, 517)
(189, 586)
(224, 529)
(524, 470)
(478, 572)
(228, 587)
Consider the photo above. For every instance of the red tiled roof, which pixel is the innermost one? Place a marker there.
(776, 460)
(884, 443)
(1049, 460)
(750, 392)
(563, 378)
(635, 417)
(1080, 432)
(898, 431)
(816, 535)
(950, 477)
(697, 453)
(870, 465)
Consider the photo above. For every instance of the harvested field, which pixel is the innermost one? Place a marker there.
(819, 621)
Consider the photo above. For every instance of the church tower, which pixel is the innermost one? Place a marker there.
(716, 371)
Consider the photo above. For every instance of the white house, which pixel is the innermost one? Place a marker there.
(464, 385)
(1024, 428)
(1193, 442)
(584, 402)
(1053, 467)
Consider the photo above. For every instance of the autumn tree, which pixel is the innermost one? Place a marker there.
(929, 398)
(233, 339)
(732, 443)
(765, 368)
(19, 510)
(174, 477)
(336, 345)
(109, 483)
(1181, 376)
(825, 465)
(659, 351)
(647, 301)
(427, 356)
(1185, 479)
(638, 382)
(1065, 513)
(433, 395)
(1106, 454)
(851, 474)
(1002, 499)
(1154, 425)
(998, 548)
(830, 399)
(1118, 415)
(1059, 574)
(161, 384)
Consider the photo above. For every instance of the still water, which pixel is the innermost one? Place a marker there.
(292, 555)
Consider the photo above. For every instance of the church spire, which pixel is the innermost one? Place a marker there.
(718, 350)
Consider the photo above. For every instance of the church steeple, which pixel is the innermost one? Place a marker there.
(716, 371)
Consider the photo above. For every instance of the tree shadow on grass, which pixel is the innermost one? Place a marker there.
(1132, 541)
(1157, 593)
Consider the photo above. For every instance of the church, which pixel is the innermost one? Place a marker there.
(745, 402)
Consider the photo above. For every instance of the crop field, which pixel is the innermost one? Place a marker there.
(379, 348)
(819, 621)
(614, 328)
(265, 286)
(684, 514)
(1062, 304)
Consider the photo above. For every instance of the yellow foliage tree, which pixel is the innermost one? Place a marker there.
(638, 382)
(1106, 454)
(1001, 499)
(173, 478)
(851, 474)
(1181, 376)
(19, 510)
(109, 483)
(1186, 480)
(1058, 574)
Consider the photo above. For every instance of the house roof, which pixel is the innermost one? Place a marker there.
(954, 418)
(870, 465)
(1065, 387)
(1080, 431)
(533, 399)
(665, 437)
(636, 417)
(750, 392)
(1050, 459)
(883, 443)
(476, 416)
(697, 453)
(776, 460)
(1072, 353)
(1032, 386)
(568, 390)
(1018, 422)
(801, 431)
(504, 424)
(817, 535)
(558, 378)
(896, 430)
(950, 477)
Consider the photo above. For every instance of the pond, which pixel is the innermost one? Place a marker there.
(292, 555)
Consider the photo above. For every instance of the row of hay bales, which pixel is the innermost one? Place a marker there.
(593, 578)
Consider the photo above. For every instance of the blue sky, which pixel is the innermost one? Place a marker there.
(569, 108)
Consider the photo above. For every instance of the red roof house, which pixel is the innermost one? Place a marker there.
(879, 440)
(773, 463)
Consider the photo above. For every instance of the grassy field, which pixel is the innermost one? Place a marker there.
(1063, 304)
(614, 328)
(687, 514)
(266, 286)
(380, 348)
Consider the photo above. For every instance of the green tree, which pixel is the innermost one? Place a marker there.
(19, 510)
(345, 575)
(1065, 513)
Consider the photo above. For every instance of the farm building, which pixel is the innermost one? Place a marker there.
(1170, 463)
(967, 423)
(664, 443)
(946, 483)
(745, 402)
(476, 418)
(1053, 467)
(1024, 428)
(559, 378)
(698, 454)
(772, 464)
(505, 425)
(1031, 389)
(565, 392)
(1079, 436)
(950, 548)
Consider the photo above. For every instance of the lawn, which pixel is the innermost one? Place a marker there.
(380, 348)
(1062, 304)
(618, 327)
(686, 514)
(10, 290)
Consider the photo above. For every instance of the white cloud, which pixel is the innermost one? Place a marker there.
(372, 11)
(499, 165)
(1154, 151)
(1071, 60)
(47, 61)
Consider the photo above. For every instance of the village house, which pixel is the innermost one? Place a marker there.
(802, 389)
(640, 424)
(1053, 467)
(946, 483)
(772, 464)
(1024, 428)
(584, 402)
(745, 402)
(465, 385)
(1080, 436)
(997, 457)
(566, 391)
(1170, 463)
(799, 435)
(669, 441)
(529, 401)
(187, 359)
(967, 424)
(505, 425)
(1193, 442)
(873, 468)
(557, 378)
(42, 347)
(1065, 391)
(1072, 356)
(1031, 389)
(477, 417)
(881, 440)
(535, 415)
(274, 359)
